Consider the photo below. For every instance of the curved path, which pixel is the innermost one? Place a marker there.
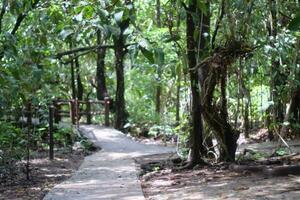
(110, 173)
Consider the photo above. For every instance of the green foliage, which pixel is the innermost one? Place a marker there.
(64, 136)
(12, 146)
(156, 57)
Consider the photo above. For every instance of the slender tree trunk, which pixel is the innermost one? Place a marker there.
(80, 88)
(100, 74)
(158, 92)
(158, 21)
(246, 116)
(159, 70)
(178, 99)
(73, 87)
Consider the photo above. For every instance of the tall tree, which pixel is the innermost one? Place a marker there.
(276, 80)
(196, 133)
(120, 52)
(100, 72)
(159, 67)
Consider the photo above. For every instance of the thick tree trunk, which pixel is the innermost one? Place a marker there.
(100, 74)
(120, 52)
(278, 107)
(213, 71)
(196, 134)
(120, 100)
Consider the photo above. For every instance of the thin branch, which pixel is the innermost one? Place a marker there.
(74, 57)
(21, 17)
(88, 49)
(19, 20)
(3, 9)
(218, 22)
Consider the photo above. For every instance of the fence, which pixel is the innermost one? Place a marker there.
(75, 109)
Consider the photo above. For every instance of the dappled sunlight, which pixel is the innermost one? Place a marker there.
(110, 173)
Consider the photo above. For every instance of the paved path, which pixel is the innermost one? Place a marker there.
(110, 173)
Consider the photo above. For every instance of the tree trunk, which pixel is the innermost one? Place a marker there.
(158, 21)
(120, 100)
(120, 52)
(100, 74)
(246, 117)
(293, 112)
(158, 92)
(278, 108)
(159, 71)
(80, 88)
(196, 133)
(73, 87)
(178, 99)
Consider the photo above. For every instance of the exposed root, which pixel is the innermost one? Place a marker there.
(190, 165)
(264, 170)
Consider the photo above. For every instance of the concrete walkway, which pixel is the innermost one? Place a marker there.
(110, 173)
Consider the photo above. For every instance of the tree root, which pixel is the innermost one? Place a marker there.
(190, 165)
(261, 169)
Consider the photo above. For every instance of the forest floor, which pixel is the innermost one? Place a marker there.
(112, 173)
(44, 175)
(160, 181)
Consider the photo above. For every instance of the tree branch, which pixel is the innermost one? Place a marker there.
(222, 12)
(3, 9)
(88, 49)
(21, 17)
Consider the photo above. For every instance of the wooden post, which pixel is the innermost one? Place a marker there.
(51, 143)
(72, 111)
(106, 111)
(88, 112)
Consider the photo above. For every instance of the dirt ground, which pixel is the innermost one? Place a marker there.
(45, 174)
(214, 183)
(160, 181)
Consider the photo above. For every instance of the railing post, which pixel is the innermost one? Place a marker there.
(106, 111)
(51, 143)
(88, 112)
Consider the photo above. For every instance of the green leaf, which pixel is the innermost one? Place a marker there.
(169, 38)
(159, 57)
(202, 7)
(148, 54)
(88, 12)
(65, 33)
(294, 25)
(118, 16)
(79, 17)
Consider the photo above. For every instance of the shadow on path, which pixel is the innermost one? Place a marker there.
(110, 173)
